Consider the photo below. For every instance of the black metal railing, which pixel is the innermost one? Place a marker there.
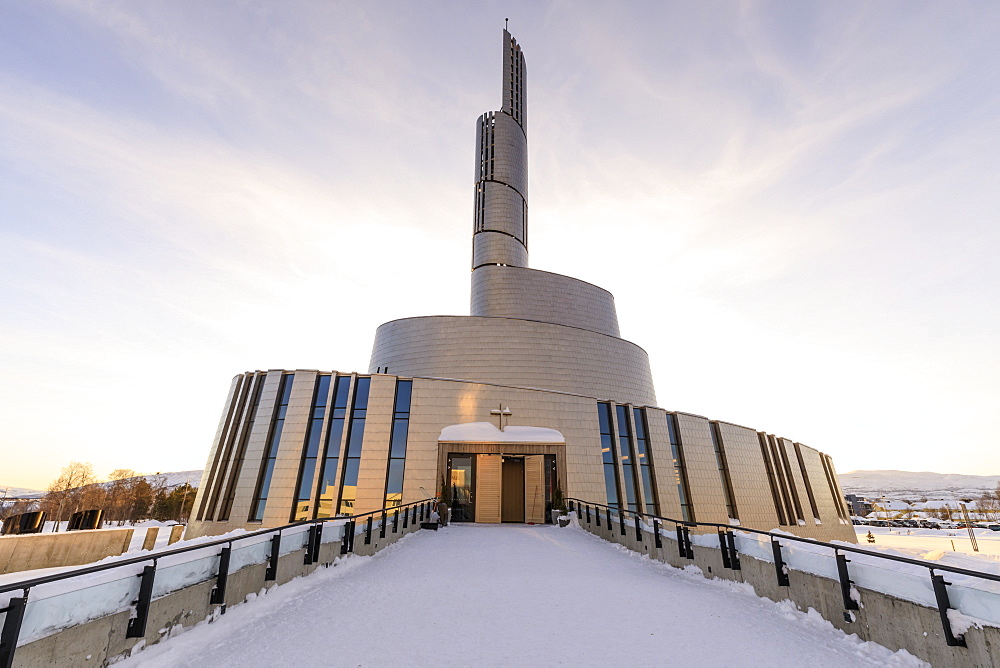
(137, 624)
(731, 560)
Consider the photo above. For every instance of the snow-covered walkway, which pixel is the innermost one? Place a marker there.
(506, 595)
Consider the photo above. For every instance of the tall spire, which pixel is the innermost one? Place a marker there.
(500, 233)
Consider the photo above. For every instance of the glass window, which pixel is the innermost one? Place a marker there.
(271, 451)
(303, 510)
(397, 444)
(608, 454)
(355, 439)
(326, 490)
(680, 470)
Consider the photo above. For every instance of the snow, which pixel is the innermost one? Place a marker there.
(485, 432)
(513, 595)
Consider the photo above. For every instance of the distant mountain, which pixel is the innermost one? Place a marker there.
(20, 492)
(874, 482)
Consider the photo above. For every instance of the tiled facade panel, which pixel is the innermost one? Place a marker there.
(663, 463)
(214, 464)
(515, 352)
(250, 472)
(529, 294)
(436, 404)
(510, 154)
(281, 493)
(496, 248)
(707, 496)
(505, 212)
(754, 501)
(820, 486)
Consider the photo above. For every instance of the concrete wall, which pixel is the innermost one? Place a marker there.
(102, 641)
(889, 621)
(71, 548)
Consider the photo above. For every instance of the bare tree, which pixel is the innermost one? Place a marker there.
(66, 493)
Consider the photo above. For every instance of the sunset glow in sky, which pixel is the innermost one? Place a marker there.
(795, 205)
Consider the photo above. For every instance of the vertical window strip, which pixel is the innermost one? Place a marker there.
(839, 496)
(837, 499)
(720, 460)
(310, 450)
(352, 456)
(779, 506)
(793, 493)
(222, 451)
(608, 454)
(271, 451)
(806, 481)
(779, 471)
(680, 469)
(626, 454)
(326, 488)
(241, 450)
(397, 444)
(644, 458)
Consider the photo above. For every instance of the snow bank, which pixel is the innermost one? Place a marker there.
(485, 432)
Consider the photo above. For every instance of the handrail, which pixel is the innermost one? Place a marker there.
(154, 556)
(800, 539)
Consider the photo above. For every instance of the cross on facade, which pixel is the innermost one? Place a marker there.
(501, 413)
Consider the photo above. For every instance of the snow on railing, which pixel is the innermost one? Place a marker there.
(968, 596)
(71, 597)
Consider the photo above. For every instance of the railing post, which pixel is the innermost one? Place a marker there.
(368, 531)
(12, 629)
(219, 591)
(845, 582)
(313, 542)
(381, 529)
(597, 516)
(353, 533)
(271, 574)
(779, 564)
(406, 517)
(943, 604)
(414, 520)
(137, 625)
(395, 521)
(609, 519)
(657, 539)
(734, 555)
(422, 511)
(724, 548)
(621, 520)
(688, 550)
(681, 552)
(638, 531)
(588, 513)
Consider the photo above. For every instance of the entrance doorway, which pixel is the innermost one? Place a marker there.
(512, 494)
(499, 487)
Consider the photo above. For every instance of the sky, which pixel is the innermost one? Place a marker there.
(795, 205)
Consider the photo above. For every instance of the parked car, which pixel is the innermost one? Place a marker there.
(994, 527)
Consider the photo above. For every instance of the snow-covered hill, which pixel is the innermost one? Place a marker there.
(20, 492)
(910, 481)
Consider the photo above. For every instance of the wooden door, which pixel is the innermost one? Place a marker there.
(512, 496)
(534, 489)
(488, 488)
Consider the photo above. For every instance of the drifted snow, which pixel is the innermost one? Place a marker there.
(485, 432)
(513, 595)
